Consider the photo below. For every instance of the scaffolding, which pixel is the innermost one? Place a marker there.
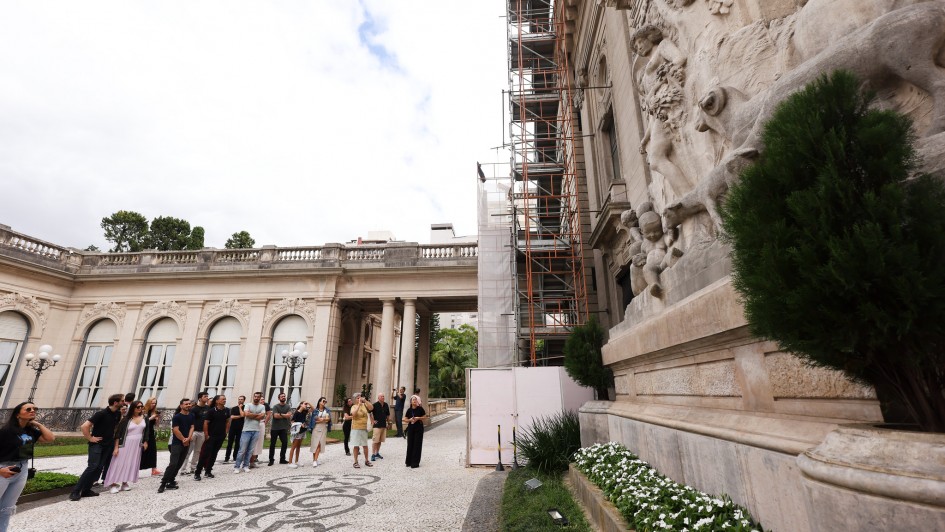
(549, 275)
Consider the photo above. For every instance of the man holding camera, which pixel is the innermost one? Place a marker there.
(380, 412)
(360, 411)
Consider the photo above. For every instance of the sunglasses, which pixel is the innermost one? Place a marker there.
(139, 406)
(31, 409)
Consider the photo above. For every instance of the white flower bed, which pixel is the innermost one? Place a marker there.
(651, 501)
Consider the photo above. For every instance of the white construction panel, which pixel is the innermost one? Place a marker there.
(491, 396)
(514, 397)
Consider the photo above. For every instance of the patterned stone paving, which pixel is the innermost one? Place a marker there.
(333, 496)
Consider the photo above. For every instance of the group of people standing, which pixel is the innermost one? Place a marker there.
(122, 438)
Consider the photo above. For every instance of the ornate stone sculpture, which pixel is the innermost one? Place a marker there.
(649, 249)
(660, 84)
(900, 45)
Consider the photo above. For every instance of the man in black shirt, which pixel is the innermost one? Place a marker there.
(216, 423)
(380, 413)
(199, 411)
(236, 429)
(99, 430)
(182, 426)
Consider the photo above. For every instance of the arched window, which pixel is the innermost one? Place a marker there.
(158, 358)
(223, 355)
(290, 330)
(99, 342)
(13, 331)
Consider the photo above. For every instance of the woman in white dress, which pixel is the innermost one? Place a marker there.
(319, 424)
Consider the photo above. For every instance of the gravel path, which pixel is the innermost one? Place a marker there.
(334, 495)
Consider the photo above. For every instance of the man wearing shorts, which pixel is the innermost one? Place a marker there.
(381, 412)
(360, 411)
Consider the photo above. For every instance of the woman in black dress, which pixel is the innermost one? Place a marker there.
(414, 418)
(346, 424)
(153, 419)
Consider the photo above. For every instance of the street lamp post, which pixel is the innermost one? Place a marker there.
(39, 364)
(293, 360)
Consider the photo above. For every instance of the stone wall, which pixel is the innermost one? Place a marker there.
(683, 88)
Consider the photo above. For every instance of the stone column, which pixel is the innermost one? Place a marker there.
(254, 352)
(382, 367)
(423, 360)
(407, 350)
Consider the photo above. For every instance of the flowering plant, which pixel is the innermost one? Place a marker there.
(650, 501)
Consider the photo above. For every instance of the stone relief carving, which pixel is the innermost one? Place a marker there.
(225, 307)
(27, 304)
(103, 309)
(649, 247)
(720, 7)
(290, 306)
(899, 46)
(660, 83)
(164, 308)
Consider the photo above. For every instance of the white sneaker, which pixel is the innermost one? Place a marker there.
(115, 489)
(125, 487)
(236, 471)
(246, 470)
(293, 465)
(314, 463)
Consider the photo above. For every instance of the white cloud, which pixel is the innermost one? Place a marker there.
(279, 118)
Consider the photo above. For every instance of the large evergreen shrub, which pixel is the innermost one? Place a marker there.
(838, 255)
(583, 359)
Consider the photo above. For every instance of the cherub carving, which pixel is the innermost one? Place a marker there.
(649, 249)
(660, 83)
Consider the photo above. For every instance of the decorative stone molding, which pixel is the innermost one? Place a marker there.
(103, 309)
(225, 307)
(27, 305)
(171, 309)
(289, 306)
(715, 379)
(791, 378)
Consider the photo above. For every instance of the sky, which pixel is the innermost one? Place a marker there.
(301, 122)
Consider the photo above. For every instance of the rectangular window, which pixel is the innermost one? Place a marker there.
(8, 351)
(220, 372)
(611, 132)
(152, 382)
(282, 379)
(88, 388)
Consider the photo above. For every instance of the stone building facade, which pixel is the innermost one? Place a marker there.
(170, 324)
(671, 96)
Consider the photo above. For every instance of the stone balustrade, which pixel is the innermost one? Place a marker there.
(393, 254)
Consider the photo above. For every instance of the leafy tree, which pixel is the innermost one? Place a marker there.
(240, 240)
(583, 359)
(455, 351)
(839, 252)
(195, 241)
(127, 230)
(169, 233)
(93, 248)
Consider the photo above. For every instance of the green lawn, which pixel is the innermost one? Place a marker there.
(527, 511)
(77, 445)
(44, 481)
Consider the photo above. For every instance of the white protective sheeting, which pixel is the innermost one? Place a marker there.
(496, 277)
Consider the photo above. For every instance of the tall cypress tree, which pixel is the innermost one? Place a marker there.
(838, 250)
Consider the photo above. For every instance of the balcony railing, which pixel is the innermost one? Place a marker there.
(393, 254)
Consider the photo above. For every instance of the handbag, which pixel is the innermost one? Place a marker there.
(31, 472)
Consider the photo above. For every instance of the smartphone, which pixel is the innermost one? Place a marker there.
(15, 469)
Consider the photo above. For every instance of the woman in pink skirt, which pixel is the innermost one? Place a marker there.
(130, 440)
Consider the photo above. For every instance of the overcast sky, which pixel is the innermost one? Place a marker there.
(302, 122)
